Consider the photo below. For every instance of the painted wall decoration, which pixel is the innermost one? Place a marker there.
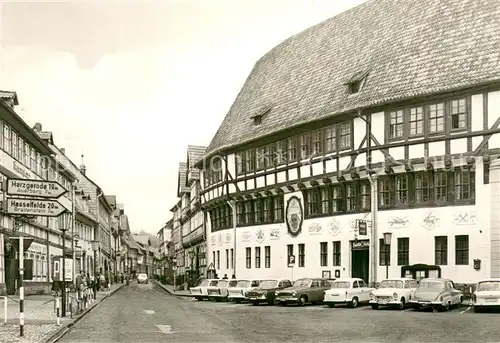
(334, 227)
(315, 229)
(294, 216)
(430, 221)
(259, 236)
(353, 223)
(214, 240)
(398, 222)
(245, 236)
(464, 218)
(275, 234)
(228, 238)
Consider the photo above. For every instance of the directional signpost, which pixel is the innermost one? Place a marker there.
(33, 198)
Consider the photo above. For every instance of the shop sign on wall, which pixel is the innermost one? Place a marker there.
(464, 218)
(275, 234)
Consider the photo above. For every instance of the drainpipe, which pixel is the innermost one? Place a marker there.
(232, 204)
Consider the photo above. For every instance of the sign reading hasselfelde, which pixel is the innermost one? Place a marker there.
(30, 207)
(294, 216)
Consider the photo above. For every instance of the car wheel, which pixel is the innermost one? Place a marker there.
(331, 305)
(255, 303)
(354, 302)
(477, 309)
(375, 306)
(283, 303)
(238, 301)
(302, 300)
(447, 307)
(271, 302)
(402, 304)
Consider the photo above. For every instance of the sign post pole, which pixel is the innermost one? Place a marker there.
(291, 263)
(21, 282)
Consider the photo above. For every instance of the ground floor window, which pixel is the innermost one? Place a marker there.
(462, 250)
(302, 255)
(323, 253)
(336, 253)
(441, 250)
(257, 257)
(248, 252)
(403, 251)
(267, 253)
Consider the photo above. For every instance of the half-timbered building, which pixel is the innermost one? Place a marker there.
(386, 115)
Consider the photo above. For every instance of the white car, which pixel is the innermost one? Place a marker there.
(393, 292)
(220, 291)
(200, 292)
(142, 278)
(487, 295)
(237, 293)
(350, 291)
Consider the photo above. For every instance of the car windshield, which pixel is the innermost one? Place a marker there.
(302, 283)
(488, 286)
(391, 284)
(341, 284)
(266, 284)
(431, 285)
(243, 283)
(222, 283)
(204, 283)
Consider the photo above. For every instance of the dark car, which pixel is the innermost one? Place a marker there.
(308, 290)
(266, 292)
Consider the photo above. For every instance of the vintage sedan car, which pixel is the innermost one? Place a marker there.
(200, 292)
(487, 295)
(349, 291)
(436, 294)
(237, 293)
(266, 291)
(393, 293)
(220, 291)
(303, 291)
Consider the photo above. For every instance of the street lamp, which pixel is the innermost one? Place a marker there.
(387, 243)
(95, 246)
(174, 268)
(64, 220)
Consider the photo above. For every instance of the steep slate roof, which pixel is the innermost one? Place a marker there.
(182, 179)
(9, 95)
(408, 48)
(195, 154)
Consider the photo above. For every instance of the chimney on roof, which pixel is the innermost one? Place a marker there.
(83, 169)
(38, 127)
(63, 151)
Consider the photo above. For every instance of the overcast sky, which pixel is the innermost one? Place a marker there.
(131, 84)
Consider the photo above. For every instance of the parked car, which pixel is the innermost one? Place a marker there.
(237, 293)
(393, 293)
(142, 278)
(487, 295)
(303, 291)
(436, 293)
(266, 291)
(220, 291)
(349, 291)
(200, 292)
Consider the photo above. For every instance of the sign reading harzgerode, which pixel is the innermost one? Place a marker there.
(42, 189)
(33, 207)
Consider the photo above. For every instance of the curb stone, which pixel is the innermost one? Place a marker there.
(170, 292)
(65, 328)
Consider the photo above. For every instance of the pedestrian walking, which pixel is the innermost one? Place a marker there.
(121, 276)
(102, 282)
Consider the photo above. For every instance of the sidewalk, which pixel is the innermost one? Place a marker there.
(170, 289)
(40, 319)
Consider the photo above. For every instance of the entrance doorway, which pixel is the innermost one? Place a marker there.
(360, 259)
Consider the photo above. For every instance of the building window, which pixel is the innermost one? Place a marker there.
(248, 212)
(257, 257)
(292, 149)
(289, 252)
(232, 258)
(331, 139)
(352, 196)
(249, 257)
(464, 185)
(218, 259)
(416, 121)
(249, 160)
(27, 154)
(313, 201)
(440, 186)
(281, 152)
(270, 155)
(267, 256)
(33, 160)
(240, 212)
(260, 157)
(317, 142)
(462, 250)
(441, 250)
(6, 138)
(257, 211)
(458, 114)
(403, 251)
(302, 255)
(304, 146)
(337, 199)
(268, 209)
(345, 136)
(15, 149)
(227, 258)
(396, 124)
(325, 200)
(436, 118)
(384, 191)
(365, 190)
(423, 188)
(20, 148)
(240, 163)
(323, 254)
(336, 253)
(278, 208)
(402, 189)
(385, 253)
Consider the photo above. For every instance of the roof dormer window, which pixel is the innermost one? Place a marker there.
(355, 84)
(257, 118)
